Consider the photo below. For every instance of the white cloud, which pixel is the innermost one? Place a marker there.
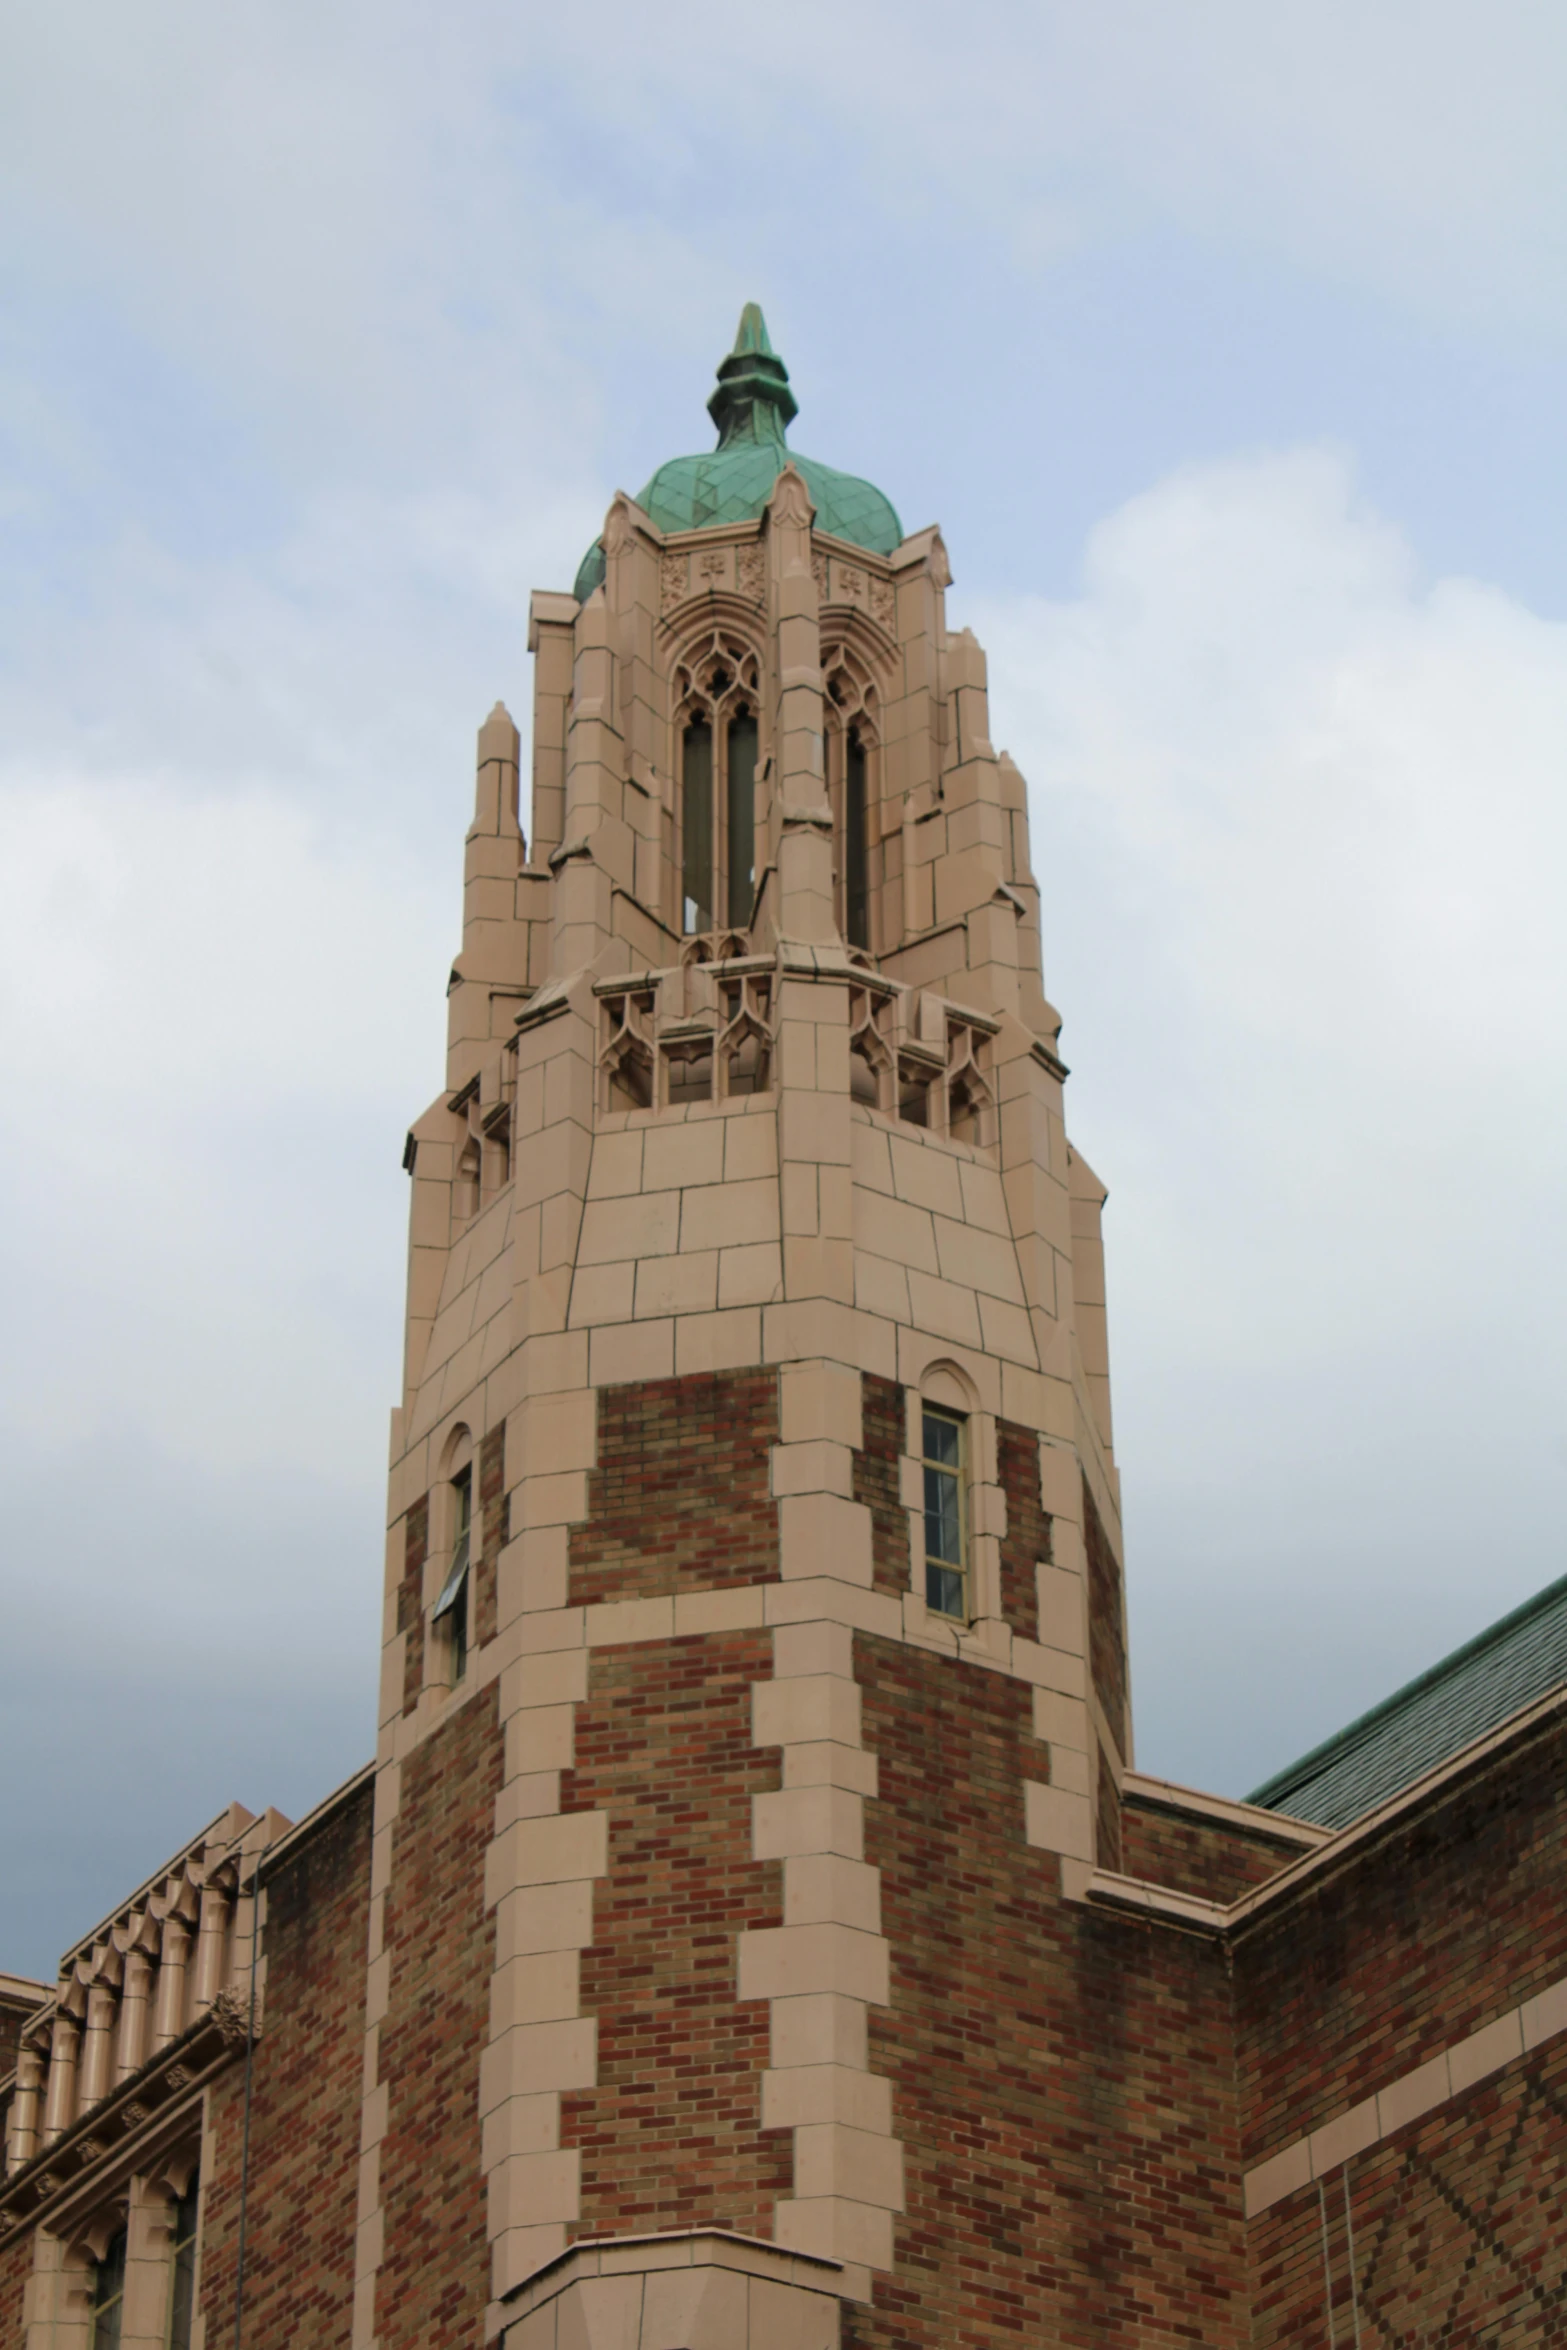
(1300, 824)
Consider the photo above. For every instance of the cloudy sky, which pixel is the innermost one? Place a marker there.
(1228, 345)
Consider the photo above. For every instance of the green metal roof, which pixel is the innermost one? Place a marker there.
(751, 407)
(1477, 1688)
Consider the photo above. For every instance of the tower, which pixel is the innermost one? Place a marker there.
(754, 1692)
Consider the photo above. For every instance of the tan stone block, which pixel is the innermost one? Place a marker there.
(600, 2313)
(531, 2057)
(1067, 1549)
(541, 1852)
(1407, 2099)
(820, 1763)
(871, 1159)
(978, 1260)
(536, 2331)
(826, 2093)
(544, 1917)
(616, 1621)
(821, 1326)
(797, 1052)
(694, 2309)
(945, 1310)
(677, 1285)
(676, 1156)
(818, 1268)
(716, 1611)
(602, 1293)
(814, 1126)
(789, 2317)
(556, 1360)
(1058, 1821)
(533, 1990)
(830, 2158)
(563, 1429)
(526, 2189)
(623, 1351)
(1062, 1613)
(1348, 2134)
(1069, 1770)
(523, 2125)
(730, 1215)
(1279, 2176)
(520, 2253)
(798, 1195)
(1007, 1330)
(807, 1819)
(1543, 2016)
(821, 1534)
(984, 1198)
(750, 1147)
(808, 1708)
(750, 1276)
(881, 1287)
(814, 1595)
(718, 1342)
(1061, 1720)
(835, 2228)
(780, 1962)
(529, 1796)
(815, 1467)
(926, 1175)
(645, 1226)
(893, 1228)
(1485, 2051)
(550, 1501)
(817, 2028)
(617, 1166)
(820, 1400)
(822, 1888)
(531, 1573)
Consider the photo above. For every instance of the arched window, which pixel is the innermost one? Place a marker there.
(717, 694)
(852, 738)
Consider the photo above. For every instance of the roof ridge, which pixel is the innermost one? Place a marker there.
(1343, 1741)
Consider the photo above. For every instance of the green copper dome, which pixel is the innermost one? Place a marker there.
(732, 483)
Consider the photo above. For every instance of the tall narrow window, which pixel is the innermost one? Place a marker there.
(856, 867)
(182, 2280)
(108, 2296)
(696, 826)
(741, 789)
(945, 1543)
(452, 1606)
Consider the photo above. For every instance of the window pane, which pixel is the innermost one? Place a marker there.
(182, 2283)
(696, 827)
(742, 819)
(943, 1526)
(108, 2299)
(944, 1591)
(856, 865)
(941, 1439)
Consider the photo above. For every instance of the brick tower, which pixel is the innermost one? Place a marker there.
(755, 1665)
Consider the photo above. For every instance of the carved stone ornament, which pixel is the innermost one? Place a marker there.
(940, 568)
(884, 603)
(618, 530)
(673, 580)
(231, 2014)
(713, 566)
(819, 574)
(791, 501)
(177, 2077)
(753, 573)
(850, 582)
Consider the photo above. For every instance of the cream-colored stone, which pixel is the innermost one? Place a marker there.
(1063, 1615)
(822, 1764)
(600, 2313)
(837, 2227)
(615, 1621)
(541, 1739)
(783, 2317)
(815, 1467)
(892, 1228)
(526, 2189)
(1338, 2140)
(694, 2309)
(1279, 2176)
(542, 1852)
(544, 1679)
(521, 2252)
(718, 1342)
(945, 1310)
(826, 1646)
(814, 1126)
(644, 1225)
(531, 2057)
(1007, 1330)
(1069, 1770)
(881, 1287)
(826, 2093)
(816, 2028)
(551, 1501)
(1407, 2099)
(624, 1351)
(750, 1276)
(926, 1175)
(820, 1400)
(522, 2125)
(675, 1156)
(822, 1534)
(528, 1796)
(617, 1166)
(1058, 1821)
(602, 1293)
(730, 1215)
(1543, 2016)
(750, 1148)
(807, 1819)
(830, 2158)
(533, 1990)
(823, 1888)
(544, 1917)
(1485, 2051)
(810, 1707)
(677, 1285)
(781, 1962)
(716, 1611)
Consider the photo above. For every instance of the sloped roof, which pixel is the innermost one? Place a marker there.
(1472, 1691)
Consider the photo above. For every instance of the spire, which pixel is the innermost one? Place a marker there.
(753, 401)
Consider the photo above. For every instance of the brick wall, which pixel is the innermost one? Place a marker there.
(494, 1531)
(876, 1482)
(1213, 1859)
(681, 1499)
(1027, 1538)
(410, 1599)
(16, 2266)
(671, 2135)
(1106, 1622)
(434, 2284)
(305, 2098)
(1063, 2084)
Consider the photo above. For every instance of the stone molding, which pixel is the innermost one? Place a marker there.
(694, 2289)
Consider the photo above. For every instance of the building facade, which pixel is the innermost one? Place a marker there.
(752, 1928)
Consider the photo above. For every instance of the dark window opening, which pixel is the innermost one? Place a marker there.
(942, 1445)
(108, 2296)
(696, 827)
(741, 791)
(452, 1606)
(856, 866)
(182, 2283)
